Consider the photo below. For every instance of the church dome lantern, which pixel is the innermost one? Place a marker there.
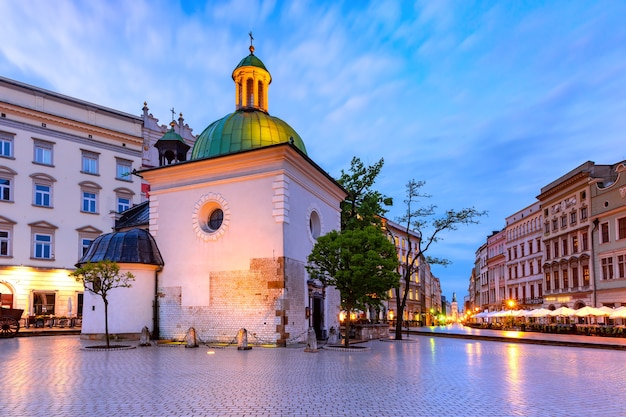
(251, 125)
(172, 147)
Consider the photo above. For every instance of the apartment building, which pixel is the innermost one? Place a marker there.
(608, 214)
(496, 265)
(524, 276)
(66, 172)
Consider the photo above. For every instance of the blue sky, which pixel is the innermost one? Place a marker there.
(485, 101)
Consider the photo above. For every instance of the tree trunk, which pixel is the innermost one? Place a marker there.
(106, 322)
(399, 321)
(346, 342)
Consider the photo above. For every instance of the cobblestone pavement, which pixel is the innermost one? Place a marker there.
(52, 376)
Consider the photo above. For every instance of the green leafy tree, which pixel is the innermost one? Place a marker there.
(423, 228)
(100, 278)
(363, 206)
(360, 263)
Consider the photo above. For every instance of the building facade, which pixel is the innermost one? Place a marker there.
(234, 225)
(608, 211)
(65, 175)
(496, 266)
(566, 249)
(423, 294)
(524, 231)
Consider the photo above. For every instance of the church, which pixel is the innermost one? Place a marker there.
(222, 242)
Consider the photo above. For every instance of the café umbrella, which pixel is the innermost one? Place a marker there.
(562, 311)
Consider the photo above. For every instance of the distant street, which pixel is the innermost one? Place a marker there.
(50, 376)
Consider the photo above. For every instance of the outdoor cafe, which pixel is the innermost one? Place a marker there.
(602, 321)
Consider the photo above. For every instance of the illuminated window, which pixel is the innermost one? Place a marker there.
(556, 280)
(44, 302)
(586, 275)
(260, 94)
(548, 282)
(249, 92)
(574, 244)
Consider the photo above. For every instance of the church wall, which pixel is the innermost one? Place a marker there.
(124, 322)
(267, 300)
(306, 197)
(250, 273)
(233, 281)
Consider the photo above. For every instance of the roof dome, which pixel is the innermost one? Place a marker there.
(250, 126)
(251, 61)
(241, 131)
(132, 246)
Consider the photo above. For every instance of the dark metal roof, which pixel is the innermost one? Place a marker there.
(131, 246)
(136, 216)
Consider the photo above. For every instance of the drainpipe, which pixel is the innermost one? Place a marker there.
(593, 262)
(155, 306)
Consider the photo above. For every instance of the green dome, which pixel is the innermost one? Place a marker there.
(241, 131)
(251, 61)
(171, 135)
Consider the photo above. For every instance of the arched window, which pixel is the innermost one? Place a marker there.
(260, 95)
(250, 93)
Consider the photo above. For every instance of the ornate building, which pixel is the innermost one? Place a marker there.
(234, 225)
(65, 175)
(524, 231)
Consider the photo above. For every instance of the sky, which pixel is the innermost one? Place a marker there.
(485, 101)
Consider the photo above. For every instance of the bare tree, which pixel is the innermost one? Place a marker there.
(422, 229)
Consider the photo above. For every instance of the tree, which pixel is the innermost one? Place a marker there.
(100, 278)
(423, 228)
(363, 206)
(360, 263)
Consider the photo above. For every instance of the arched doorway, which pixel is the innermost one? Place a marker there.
(6, 295)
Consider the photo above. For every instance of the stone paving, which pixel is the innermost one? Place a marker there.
(52, 376)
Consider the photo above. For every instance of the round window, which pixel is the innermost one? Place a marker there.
(315, 226)
(211, 217)
(215, 219)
